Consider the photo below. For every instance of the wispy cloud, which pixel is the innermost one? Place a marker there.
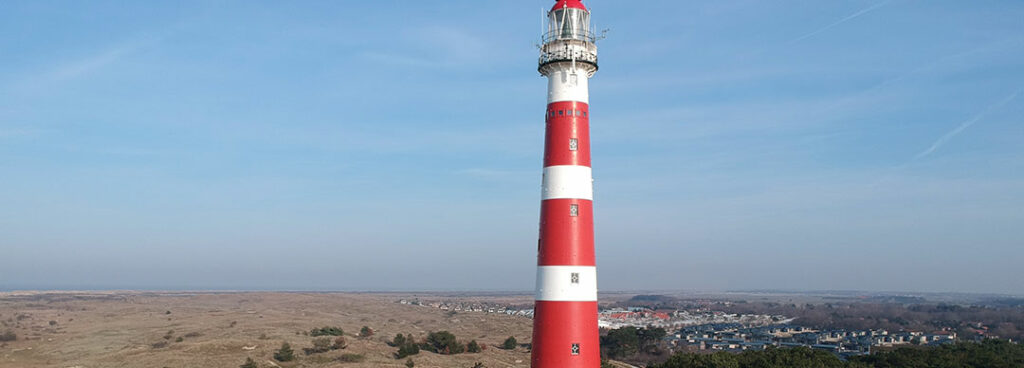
(434, 46)
(64, 70)
(963, 126)
(841, 21)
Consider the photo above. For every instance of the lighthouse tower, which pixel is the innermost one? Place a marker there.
(565, 330)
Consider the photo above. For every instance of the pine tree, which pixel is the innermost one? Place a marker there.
(285, 354)
(510, 343)
(249, 363)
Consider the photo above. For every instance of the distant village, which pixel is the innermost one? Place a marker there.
(704, 329)
(738, 337)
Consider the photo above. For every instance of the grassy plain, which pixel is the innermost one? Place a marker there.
(128, 329)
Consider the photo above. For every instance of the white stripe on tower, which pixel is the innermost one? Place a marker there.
(567, 181)
(567, 283)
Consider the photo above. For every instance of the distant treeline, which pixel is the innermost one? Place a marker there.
(987, 354)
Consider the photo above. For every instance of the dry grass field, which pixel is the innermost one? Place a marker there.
(128, 329)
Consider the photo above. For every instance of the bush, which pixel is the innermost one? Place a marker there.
(159, 345)
(473, 347)
(249, 363)
(443, 342)
(320, 345)
(8, 336)
(193, 334)
(399, 340)
(409, 363)
(366, 331)
(285, 354)
(327, 331)
(510, 343)
(407, 349)
(340, 343)
(179, 339)
(351, 358)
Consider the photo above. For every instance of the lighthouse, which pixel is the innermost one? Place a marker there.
(565, 332)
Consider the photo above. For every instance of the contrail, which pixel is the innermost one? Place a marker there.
(967, 124)
(841, 21)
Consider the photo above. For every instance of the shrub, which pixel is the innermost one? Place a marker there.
(320, 345)
(285, 354)
(399, 340)
(510, 343)
(351, 358)
(193, 334)
(53, 323)
(179, 339)
(8, 336)
(443, 342)
(407, 349)
(159, 345)
(409, 363)
(340, 343)
(479, 365)
(366, 331)
(327, 331)
(249, 363)
(473, 347)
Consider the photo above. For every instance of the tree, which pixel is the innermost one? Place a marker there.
(249, 363)
(510, 343)
(473, 347)
(285, 354)
(406, 346)
(443, 342)
(409, 363)
(399, 340)
(366, 331)
(621, 343)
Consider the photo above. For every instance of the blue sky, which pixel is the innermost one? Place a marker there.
(396, 145)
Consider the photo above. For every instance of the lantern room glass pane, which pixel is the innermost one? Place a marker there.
(569, 23)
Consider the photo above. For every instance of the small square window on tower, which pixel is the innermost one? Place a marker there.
(573, 144)
(575, 349)
(574, 210)
(574, 278)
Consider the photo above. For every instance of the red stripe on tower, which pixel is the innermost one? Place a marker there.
(565, 332)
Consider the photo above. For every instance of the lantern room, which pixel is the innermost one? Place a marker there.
(569, 20)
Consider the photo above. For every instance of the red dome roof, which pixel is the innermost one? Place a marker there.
(568, 3)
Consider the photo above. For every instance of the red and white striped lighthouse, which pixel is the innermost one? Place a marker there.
(565, 330)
